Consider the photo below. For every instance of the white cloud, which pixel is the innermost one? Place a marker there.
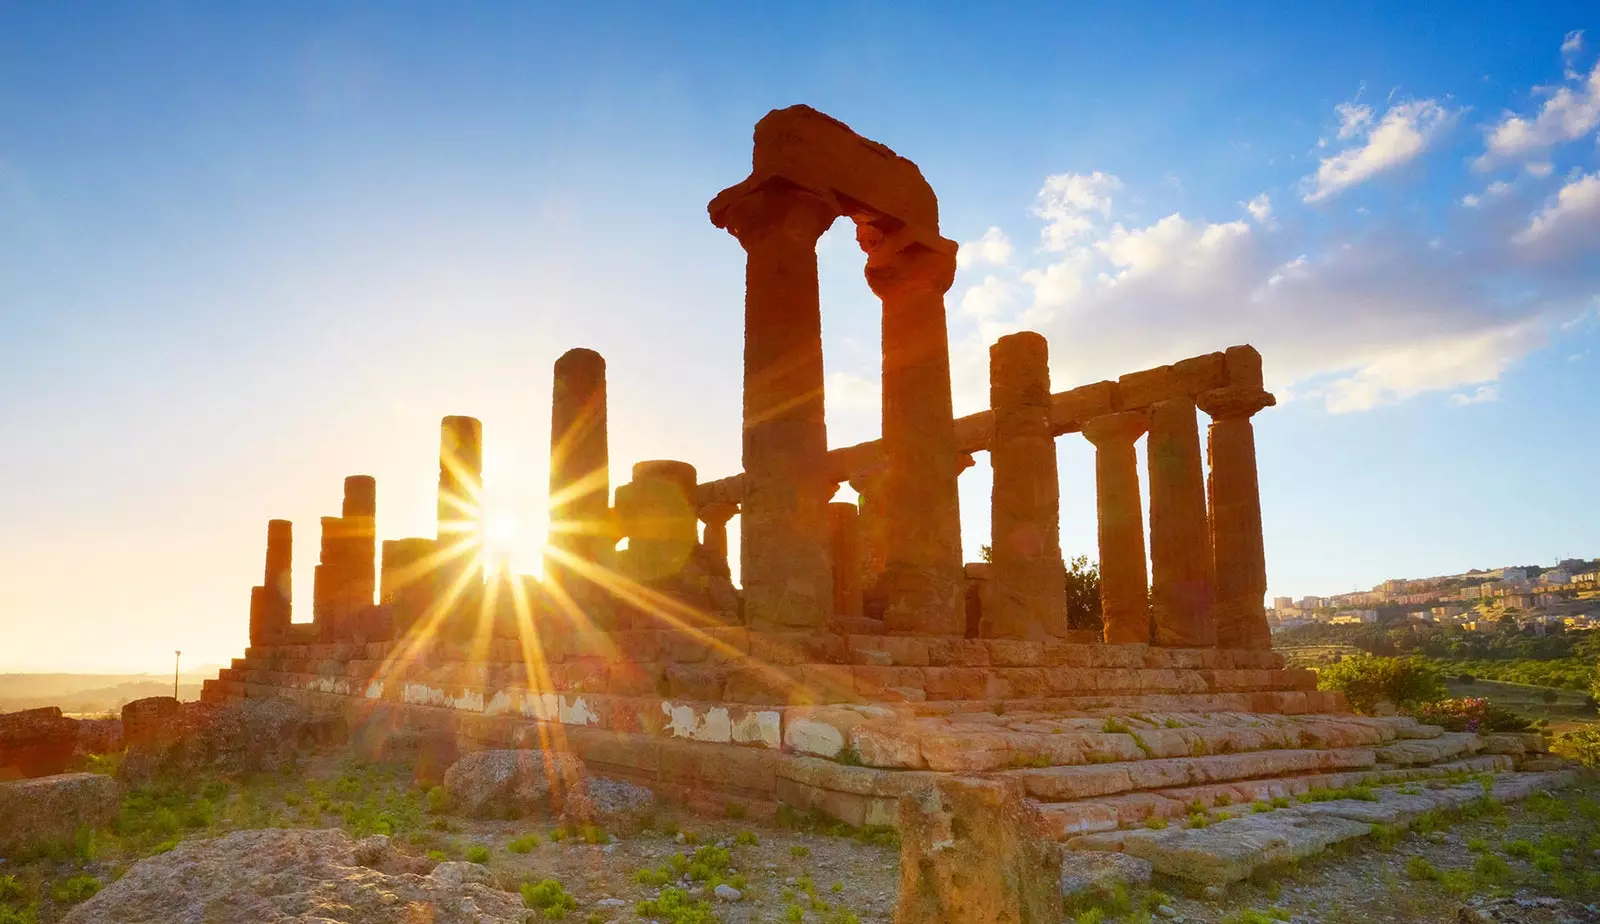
(1404, 132)
(993, 248)
(987, 298)
(1572, 43)
(1497, 188)
(1353, 119)
(1260, 208)
(1069, 204)
(1569, 221)
(1570, 113)
(1539, 168)
(855, 392)
(1482, 394)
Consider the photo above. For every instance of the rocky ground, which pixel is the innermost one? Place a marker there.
(685, 869)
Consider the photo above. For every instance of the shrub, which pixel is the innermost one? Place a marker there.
(1467, 679)
(10, 888)
(75, 889)
(1549, 697)
(549, 898)
(477, 853)
(1581, 745)
(1366, 681)
(524, 844)
(675, 906)
(1420, 869)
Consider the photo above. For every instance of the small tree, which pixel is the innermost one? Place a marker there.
(1083, 594)
(1366, 680)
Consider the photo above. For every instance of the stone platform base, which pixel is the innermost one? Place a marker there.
(1101, 736)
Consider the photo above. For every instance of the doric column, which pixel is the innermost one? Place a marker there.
(580, 485)
(1124, 588)
(1240, 561)
(846, 547)
(658, 512)
(872, 522)
(260, 634)
(360, 514)
(783, 547)
(923, 585)
(1180, 540)
(279, 611)
(716, 516)
(1027, 591)
(406, 580)
(458, 577)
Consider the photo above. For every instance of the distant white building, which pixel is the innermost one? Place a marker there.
(1354, 617)
(1519, 575)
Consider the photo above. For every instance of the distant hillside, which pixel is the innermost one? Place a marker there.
(90, 693)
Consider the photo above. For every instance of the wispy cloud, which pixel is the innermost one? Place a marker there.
(1572, 111)
(1405, 131)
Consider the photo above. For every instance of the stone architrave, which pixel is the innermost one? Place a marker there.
(922, 584)
(846, 544)
(458, 575)
(1027, 591)
(279, 611)
(1240, 562)
(580, 482)
(783, 545)
(1124, 585)
(715, 540)
(1180, 539)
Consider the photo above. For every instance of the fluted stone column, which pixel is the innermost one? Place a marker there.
(922, 583)
(873, 523)
(260, 634)
(406, 580)
(1180, 539)
(580, 485)
(1239, 556)
(1027, 596)
(1124, 588)
(458, 577)
(279, 611)
(359, 512)
(716, 516)
(658, 510)
(846, 545)
(783, 548)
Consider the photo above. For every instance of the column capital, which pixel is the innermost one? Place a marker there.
(1113, 429)
(964, 461)
(1234, 402)
(717, 513)
(901, 262)
(774, 211)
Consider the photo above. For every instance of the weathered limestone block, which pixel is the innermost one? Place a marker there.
(783, 529)
(1124, 588)
(511, 784)
(1027, 591)
(1180, 540)
(406, 583)
(1239, 563)
(922, 582)
(48, 811)
(974, 851)
(36, 742)
(1228, 851)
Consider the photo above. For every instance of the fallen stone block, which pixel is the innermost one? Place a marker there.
(36, 742)
(48, 810)
(511, 784)
(1086, 872)
(1230, 850)
(973, 851)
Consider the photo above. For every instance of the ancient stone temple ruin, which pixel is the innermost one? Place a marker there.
(860, 658)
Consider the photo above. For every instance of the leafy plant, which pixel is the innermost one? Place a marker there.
(1366, 680)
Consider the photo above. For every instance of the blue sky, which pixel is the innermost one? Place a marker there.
(248, 249)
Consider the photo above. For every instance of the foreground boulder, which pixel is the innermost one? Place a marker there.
(165, 736)
(49, 810)
(36, 742)
(973, 851)
(277, 875)
(511, 784)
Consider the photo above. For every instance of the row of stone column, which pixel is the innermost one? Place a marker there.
(785, 527)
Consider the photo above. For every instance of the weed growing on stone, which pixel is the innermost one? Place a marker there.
(1478, 844)
(746, 839)
(75, 889)
(799, 851)
(1155, 823)
(1115, 727)
(1260, 807)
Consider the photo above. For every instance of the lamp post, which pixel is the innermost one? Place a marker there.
(176, 657)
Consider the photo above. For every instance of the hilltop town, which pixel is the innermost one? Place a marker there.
(1536, 598)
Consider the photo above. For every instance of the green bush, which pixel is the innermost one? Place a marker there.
(75, 889)
(1581, 745)
(1365, 681)
(549, 898)
(477, 853)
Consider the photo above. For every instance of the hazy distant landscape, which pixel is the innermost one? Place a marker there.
(81, 694)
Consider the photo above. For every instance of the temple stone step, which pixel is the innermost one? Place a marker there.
(1109, 813)
(1063, 784)
(1446, 746)
(1227, 851)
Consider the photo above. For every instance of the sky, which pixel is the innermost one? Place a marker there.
(247, 249)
